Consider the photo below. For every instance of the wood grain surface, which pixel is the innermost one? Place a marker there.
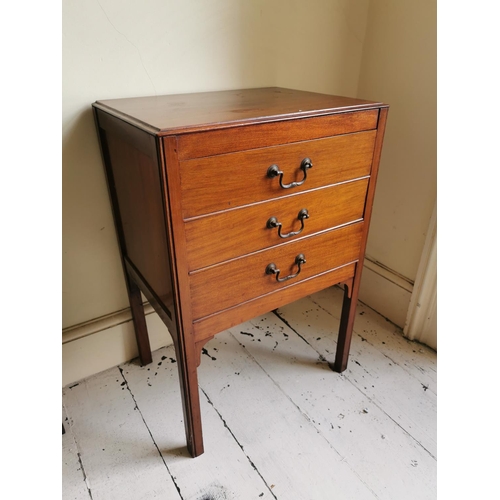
(243, 230)
(225, 285)
(206, 328)
(176, 114)
(227, 181)
(136, 180)
(198, 145)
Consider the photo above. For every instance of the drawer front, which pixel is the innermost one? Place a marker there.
(232, 233)
(231, 180)
(226, 285)
(215, 142)
(207, 327)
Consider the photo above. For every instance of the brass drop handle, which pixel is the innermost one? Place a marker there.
(272, 269)
(273, 223)
(274, 171)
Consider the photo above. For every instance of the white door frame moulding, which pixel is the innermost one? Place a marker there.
(421, 319)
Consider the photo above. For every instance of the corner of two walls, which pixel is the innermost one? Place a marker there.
(398, 67)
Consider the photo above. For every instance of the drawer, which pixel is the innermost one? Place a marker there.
(206, 327)
(226, 235)
(230, 283)
(240, 138)
(226, 181)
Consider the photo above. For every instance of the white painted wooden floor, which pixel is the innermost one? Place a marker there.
(278, 422)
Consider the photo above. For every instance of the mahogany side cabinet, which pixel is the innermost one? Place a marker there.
(231, 204)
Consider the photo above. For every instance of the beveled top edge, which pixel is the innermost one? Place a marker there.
(195, 112)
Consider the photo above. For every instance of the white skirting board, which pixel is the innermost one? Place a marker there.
(100, 344)
(385, 291)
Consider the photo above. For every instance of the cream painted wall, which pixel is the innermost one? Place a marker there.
(116, 48)
(120, 48)
(317, 45)
(399, 67)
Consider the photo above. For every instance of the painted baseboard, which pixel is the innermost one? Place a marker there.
(100, 344)
(385, 291)
(105, 342)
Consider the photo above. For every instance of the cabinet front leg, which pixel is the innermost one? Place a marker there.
(188, 375)
(346, 323)
(139, 320)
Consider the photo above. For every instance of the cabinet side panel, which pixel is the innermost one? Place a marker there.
(133, 172)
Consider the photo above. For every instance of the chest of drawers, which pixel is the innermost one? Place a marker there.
(230, 204)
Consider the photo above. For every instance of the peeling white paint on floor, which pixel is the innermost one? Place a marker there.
(277, 421)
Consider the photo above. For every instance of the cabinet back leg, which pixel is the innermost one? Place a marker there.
(345, 329)
(139, 320)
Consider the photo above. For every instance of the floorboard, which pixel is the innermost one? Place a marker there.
(351, 422)
(224, 471)
(116, 449)
(277, 436)
(418, 359)
(74, 486)
(396, 391)
(278, 422)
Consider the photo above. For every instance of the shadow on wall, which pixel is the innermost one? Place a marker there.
(88, 228)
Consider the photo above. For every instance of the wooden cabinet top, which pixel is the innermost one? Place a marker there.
(181, 113)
